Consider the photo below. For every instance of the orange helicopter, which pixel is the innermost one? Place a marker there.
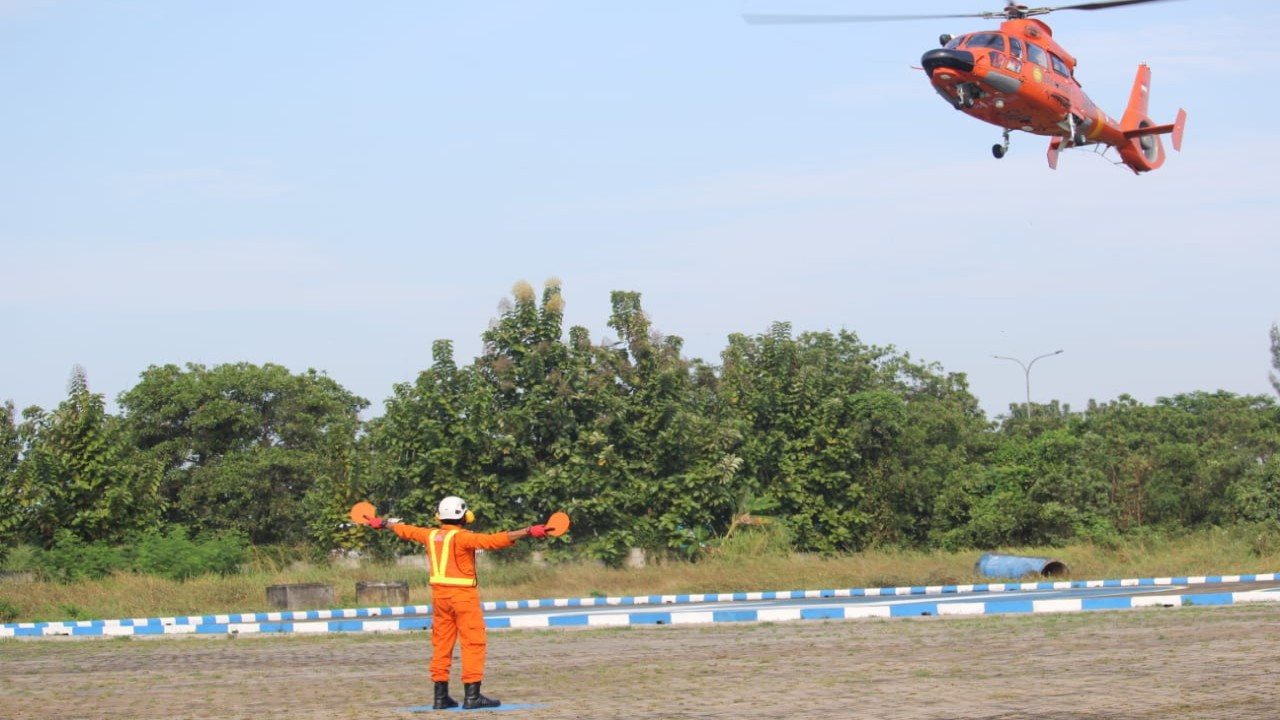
(1019, 78)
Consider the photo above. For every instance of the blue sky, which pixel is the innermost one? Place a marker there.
(334, 185)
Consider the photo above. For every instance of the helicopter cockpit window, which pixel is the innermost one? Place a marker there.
(1059, 66)
(986, 40)
(1037, 55)
(1015, 47)
(955, 42)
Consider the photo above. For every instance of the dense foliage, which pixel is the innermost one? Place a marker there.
(241, 446)
(849, 446)
(170, 553)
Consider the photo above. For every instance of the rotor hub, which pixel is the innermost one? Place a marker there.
(1014, 11)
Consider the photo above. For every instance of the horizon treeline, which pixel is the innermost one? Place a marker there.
(841, 445)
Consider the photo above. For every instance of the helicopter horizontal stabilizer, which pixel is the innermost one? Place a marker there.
(1174, 127)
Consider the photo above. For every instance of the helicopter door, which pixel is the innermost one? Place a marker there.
(1014, 64)
(1061, 75)
(1037, 55)
(1059, 66)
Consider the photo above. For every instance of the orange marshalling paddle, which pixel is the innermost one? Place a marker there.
(362, 512)
(557, 524)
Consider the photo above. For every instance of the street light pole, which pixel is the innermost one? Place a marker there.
(1026, 370)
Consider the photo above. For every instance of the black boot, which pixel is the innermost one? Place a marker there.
(443, 701)
(472, 698)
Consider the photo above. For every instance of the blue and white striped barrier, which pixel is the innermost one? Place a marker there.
(301, 621)
(418, 617)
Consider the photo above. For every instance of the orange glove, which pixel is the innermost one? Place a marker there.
(378, 523)
(538, 531)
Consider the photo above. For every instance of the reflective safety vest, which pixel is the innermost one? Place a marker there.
(444, 567)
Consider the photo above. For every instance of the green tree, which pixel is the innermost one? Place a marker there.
(818, 426)
(10, 443)
(80, 472)
(851, 444)
(1206, 442)
(621, 436)
(666, 459)
(530, 414)
(943, 438)
(1041, 490)
(12, 520)
(612, 434)
(434, 440)
(242, 445)
(1172, 464)
(1255, 497)
(1275, 357)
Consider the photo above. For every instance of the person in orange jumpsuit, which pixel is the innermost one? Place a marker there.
(455, 601)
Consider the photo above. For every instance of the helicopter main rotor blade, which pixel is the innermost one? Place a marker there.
(1090, 6)
(828, 19)
(1011, 11)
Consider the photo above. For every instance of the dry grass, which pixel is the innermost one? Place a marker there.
(749, 563)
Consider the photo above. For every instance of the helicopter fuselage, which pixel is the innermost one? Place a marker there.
(1019, 78)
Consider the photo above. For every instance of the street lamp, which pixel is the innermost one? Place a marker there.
(1026, 370)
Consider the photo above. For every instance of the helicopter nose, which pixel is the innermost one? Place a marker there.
(958, 60)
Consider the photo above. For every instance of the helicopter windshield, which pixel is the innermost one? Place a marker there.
(986, 40)
(955, 42)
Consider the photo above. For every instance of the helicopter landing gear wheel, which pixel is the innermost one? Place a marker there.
(999, 149)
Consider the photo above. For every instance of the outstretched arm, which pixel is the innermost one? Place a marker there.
(498, 540)
(404, 530)
(410, 532)
(538, 531)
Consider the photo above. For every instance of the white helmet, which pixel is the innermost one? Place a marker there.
(452, 508)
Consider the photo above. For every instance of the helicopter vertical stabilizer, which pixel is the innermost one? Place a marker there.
(1143, 150)
(1136, 111)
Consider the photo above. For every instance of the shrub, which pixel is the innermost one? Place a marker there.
(9, 612)
(22, 557)
(772, 539)
(1265, 540)
(171, 554)
(176, 556)
(72, 559)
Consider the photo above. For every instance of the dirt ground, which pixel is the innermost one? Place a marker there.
(1201, 663)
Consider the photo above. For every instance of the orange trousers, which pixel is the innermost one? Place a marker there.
(456, 613)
